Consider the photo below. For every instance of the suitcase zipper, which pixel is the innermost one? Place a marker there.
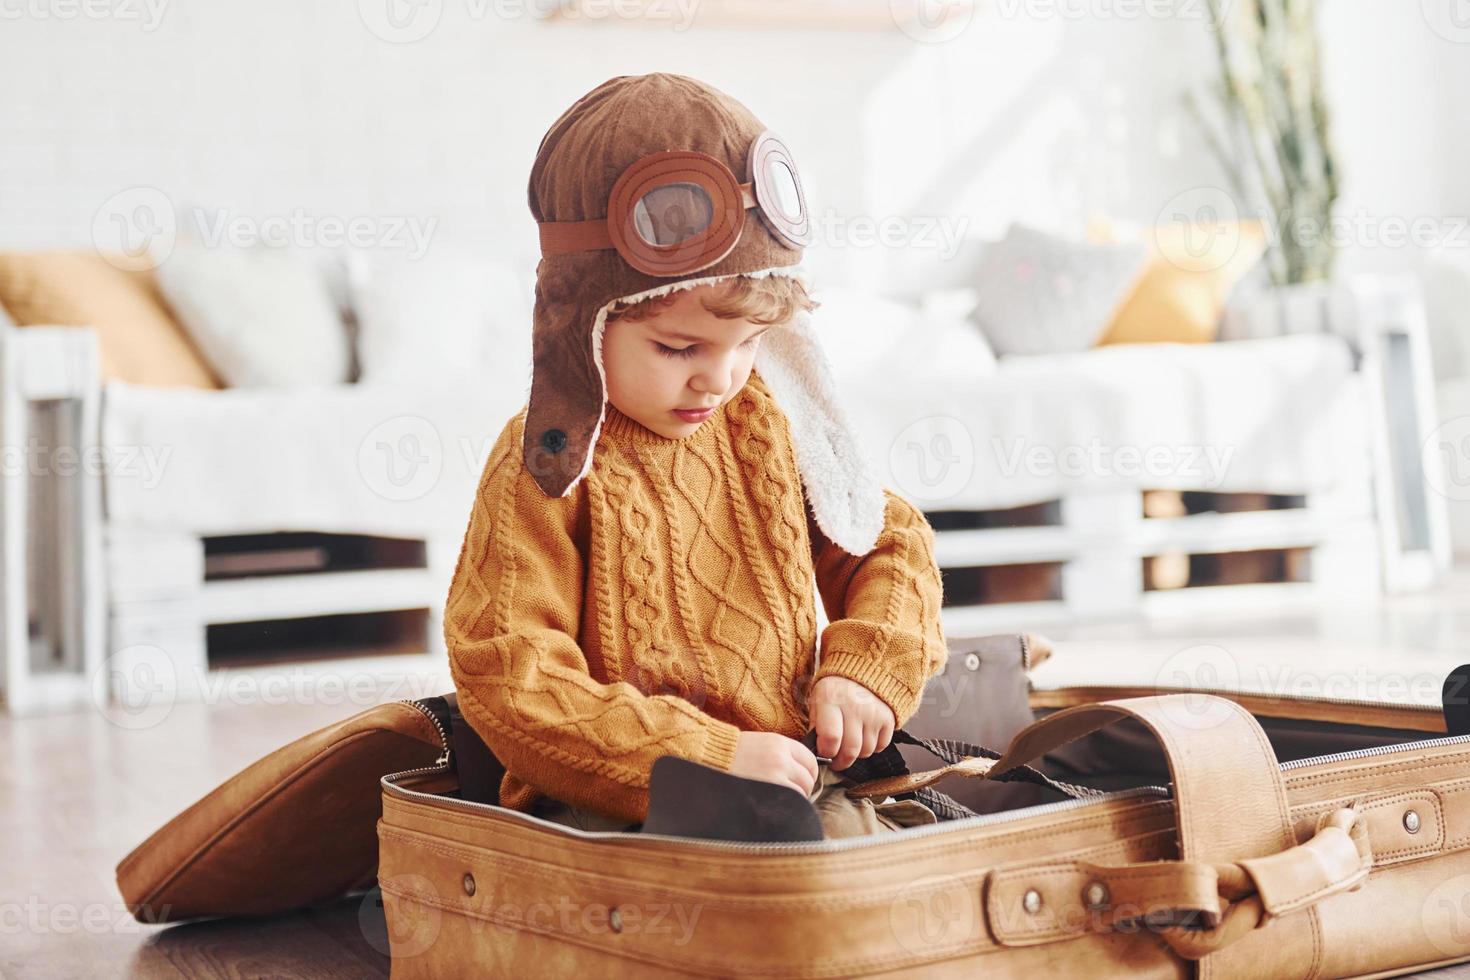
(443, 761)
(1377, 750)
(1224, 692)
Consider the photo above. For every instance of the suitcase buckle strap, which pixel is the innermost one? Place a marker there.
(1336, 859)
(1196, 907)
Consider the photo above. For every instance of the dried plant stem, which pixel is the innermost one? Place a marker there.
(1272, 137)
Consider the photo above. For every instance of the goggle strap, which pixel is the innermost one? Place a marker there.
(559, 237)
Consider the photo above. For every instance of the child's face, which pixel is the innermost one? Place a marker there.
(684, 357)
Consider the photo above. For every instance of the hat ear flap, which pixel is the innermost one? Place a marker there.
(564, 414)
(845, 495)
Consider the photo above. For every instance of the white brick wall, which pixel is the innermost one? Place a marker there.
(276, 105)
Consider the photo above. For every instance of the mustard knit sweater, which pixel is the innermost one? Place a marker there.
(666, 604)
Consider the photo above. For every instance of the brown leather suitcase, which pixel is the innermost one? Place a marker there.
(1164, 837)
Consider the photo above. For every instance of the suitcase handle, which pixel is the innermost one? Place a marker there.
(1337, 859)
(1229, 800)
(1174, 898)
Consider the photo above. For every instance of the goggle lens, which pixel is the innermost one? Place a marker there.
(673, 213)
(783, 182)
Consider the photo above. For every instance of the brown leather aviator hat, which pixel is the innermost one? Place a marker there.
(653, 183)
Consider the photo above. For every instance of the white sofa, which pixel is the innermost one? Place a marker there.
(1328, 417)
(382, 473)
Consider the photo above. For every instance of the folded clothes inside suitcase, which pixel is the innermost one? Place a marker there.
(1165, 837)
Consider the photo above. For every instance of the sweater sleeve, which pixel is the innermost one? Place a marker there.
(511, 624)
(884, 629)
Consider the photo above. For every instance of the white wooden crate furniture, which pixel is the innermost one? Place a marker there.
(52, 586)
(165, 572)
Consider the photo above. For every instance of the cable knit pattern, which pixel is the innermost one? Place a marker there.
(666, 604)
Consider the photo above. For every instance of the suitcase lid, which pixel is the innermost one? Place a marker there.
(1292, 678)
(296, 827)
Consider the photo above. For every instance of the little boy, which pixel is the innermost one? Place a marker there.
(636, 578)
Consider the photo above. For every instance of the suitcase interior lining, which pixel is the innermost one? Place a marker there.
(1125, 754)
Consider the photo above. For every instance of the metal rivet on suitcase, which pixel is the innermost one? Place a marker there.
(469, 883)
(1411, 821)
(1095, 895)
(972, 661)
(615, 919)
(1031, 901)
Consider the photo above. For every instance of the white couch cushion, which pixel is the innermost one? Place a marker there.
(450, 316)
(862, 332)
(1283, 415)
(345, 458)
(1043, 294)
(262, 317)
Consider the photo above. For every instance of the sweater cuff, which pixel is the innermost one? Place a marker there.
(871, 673)
(719, 745)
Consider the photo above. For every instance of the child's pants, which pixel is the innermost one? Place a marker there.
(844, 817)
(841, 816)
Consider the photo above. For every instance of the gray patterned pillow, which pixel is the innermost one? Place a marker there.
(1043, 294)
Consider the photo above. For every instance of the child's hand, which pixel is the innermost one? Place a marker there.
(851, 722)
(776, 759)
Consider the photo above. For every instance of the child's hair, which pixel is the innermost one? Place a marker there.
(770, 300)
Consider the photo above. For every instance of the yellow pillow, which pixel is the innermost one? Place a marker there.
(137, 339)
(1181, 294)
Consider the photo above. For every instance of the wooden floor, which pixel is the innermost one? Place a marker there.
(77, 792)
